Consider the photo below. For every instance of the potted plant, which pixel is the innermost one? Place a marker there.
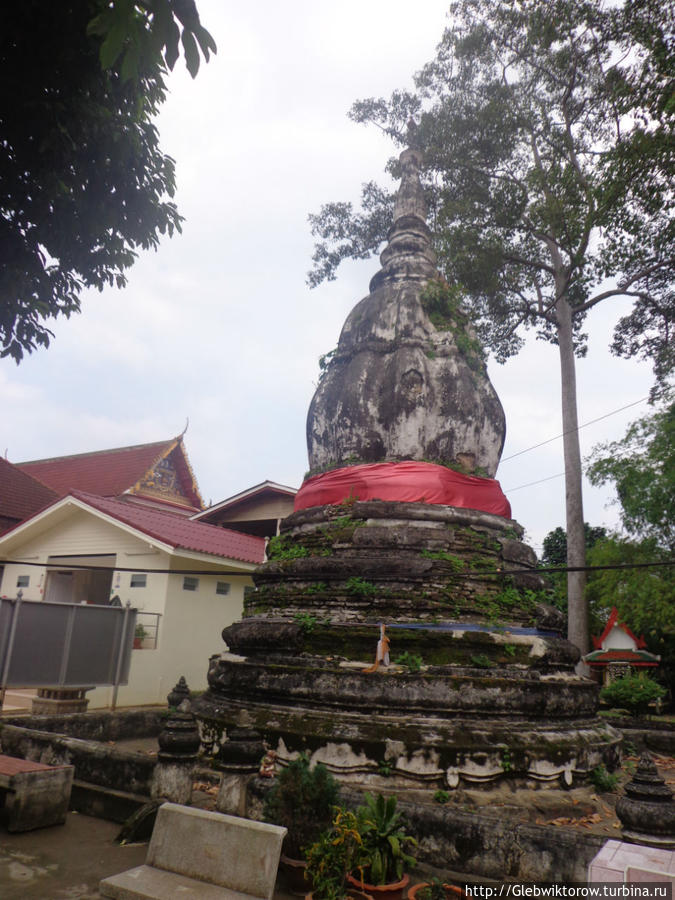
(140, 635)
(332, 856)
(435, 890)
(382, 858)
(302, 800)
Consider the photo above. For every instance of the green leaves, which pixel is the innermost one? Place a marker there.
(84, 185)
(548, 164)
(302, 800)
(383, 852)
(642, 468)
(143, 36)
(632, 692)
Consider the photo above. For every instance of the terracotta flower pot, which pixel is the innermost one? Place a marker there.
(393, 891)
(350, 895)
(452, 892)
(295, 872)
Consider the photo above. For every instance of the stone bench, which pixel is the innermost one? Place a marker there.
(35, 794)
(205, 855)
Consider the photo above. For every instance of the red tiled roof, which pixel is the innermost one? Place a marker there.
(635, 657)
(178, 531)
(21, 495)
(613, 620)
(108, 473)
(104, 472)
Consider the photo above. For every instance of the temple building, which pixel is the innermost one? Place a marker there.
(123, 526)
(157, 475)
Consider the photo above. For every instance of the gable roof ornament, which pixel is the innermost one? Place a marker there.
(123, 471)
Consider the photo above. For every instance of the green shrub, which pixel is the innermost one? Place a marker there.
(435, 890)
(281, 547)
(410, 660)
(302, 800)
(632, 692)
(360, 587)
(382, 856)
(481, 661)
(602, 780)
(333, 856)
(306, 622)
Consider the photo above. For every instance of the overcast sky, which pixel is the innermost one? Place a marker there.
(220, 326)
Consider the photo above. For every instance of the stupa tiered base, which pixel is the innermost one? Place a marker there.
(481, 686)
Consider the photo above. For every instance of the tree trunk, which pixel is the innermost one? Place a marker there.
(577, 609)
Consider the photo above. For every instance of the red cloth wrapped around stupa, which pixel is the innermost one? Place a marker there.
(409, 482)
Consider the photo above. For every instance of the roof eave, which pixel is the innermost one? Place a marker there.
(248, 494)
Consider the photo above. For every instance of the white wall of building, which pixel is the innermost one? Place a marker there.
(617, 639)
(194, 620)
(190, 622)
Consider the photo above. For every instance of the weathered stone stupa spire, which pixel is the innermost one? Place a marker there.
(408, 254)
(407, 380)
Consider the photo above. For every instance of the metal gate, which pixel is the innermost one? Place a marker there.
(44, 644)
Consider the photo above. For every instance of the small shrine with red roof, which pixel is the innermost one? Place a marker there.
(618, 650)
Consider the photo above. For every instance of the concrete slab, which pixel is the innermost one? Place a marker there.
(67, 862)
(148, 883)
(203, 848)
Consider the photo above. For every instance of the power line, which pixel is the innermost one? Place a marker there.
(68, 566)
(570, 430)
(473, 574)
(531, 483)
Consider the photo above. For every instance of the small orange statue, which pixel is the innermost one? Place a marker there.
(268, 765)
(382, 652)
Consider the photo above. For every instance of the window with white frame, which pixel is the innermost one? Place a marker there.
(23, 581)
(190, 583)
(222, 587)
(138, 580)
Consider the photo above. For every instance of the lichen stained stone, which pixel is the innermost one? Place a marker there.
(398, 387)
(482, 684)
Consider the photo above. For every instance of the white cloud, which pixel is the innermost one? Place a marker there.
(219, 325)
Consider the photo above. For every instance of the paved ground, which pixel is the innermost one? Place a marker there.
(66, 862)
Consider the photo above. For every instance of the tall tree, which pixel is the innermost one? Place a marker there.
(554, 555)
(537, 149)
(83, 182)
(641, 467)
